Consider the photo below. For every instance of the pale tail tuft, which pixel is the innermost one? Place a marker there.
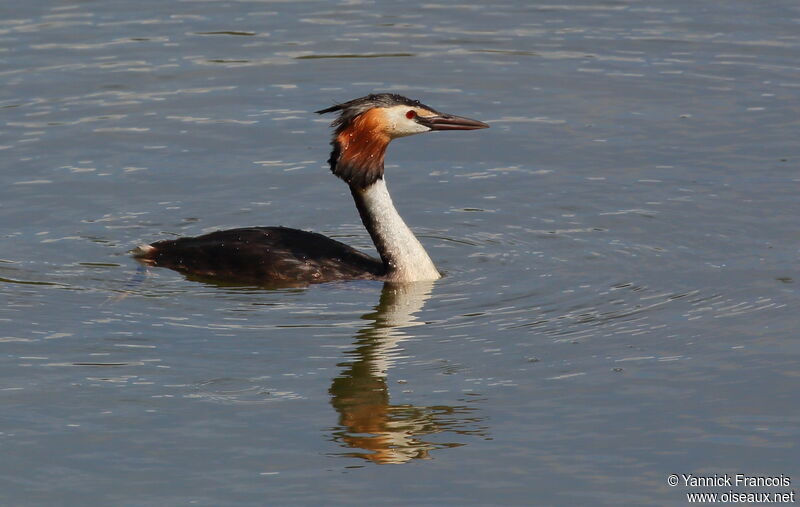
(143, 250)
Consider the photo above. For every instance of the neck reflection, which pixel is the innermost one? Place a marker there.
(369, 424)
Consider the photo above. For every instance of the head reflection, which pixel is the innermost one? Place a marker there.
(369, 424)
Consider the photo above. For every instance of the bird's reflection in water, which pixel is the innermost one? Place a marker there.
(368, 423)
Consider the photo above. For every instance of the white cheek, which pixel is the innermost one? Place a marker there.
(400, 126)
(409, 128)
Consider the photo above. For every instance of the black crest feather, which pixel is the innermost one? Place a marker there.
(351, 109)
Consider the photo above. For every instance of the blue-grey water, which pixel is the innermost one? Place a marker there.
(620, 248)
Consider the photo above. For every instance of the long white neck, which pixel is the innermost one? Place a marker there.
(402, 253)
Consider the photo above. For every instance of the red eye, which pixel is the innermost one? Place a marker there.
(411, 114)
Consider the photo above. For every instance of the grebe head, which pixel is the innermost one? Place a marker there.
(366, 125)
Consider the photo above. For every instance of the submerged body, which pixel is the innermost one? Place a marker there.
(271, 255)
(279, 256)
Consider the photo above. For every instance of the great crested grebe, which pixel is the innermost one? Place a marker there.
(282, 256)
